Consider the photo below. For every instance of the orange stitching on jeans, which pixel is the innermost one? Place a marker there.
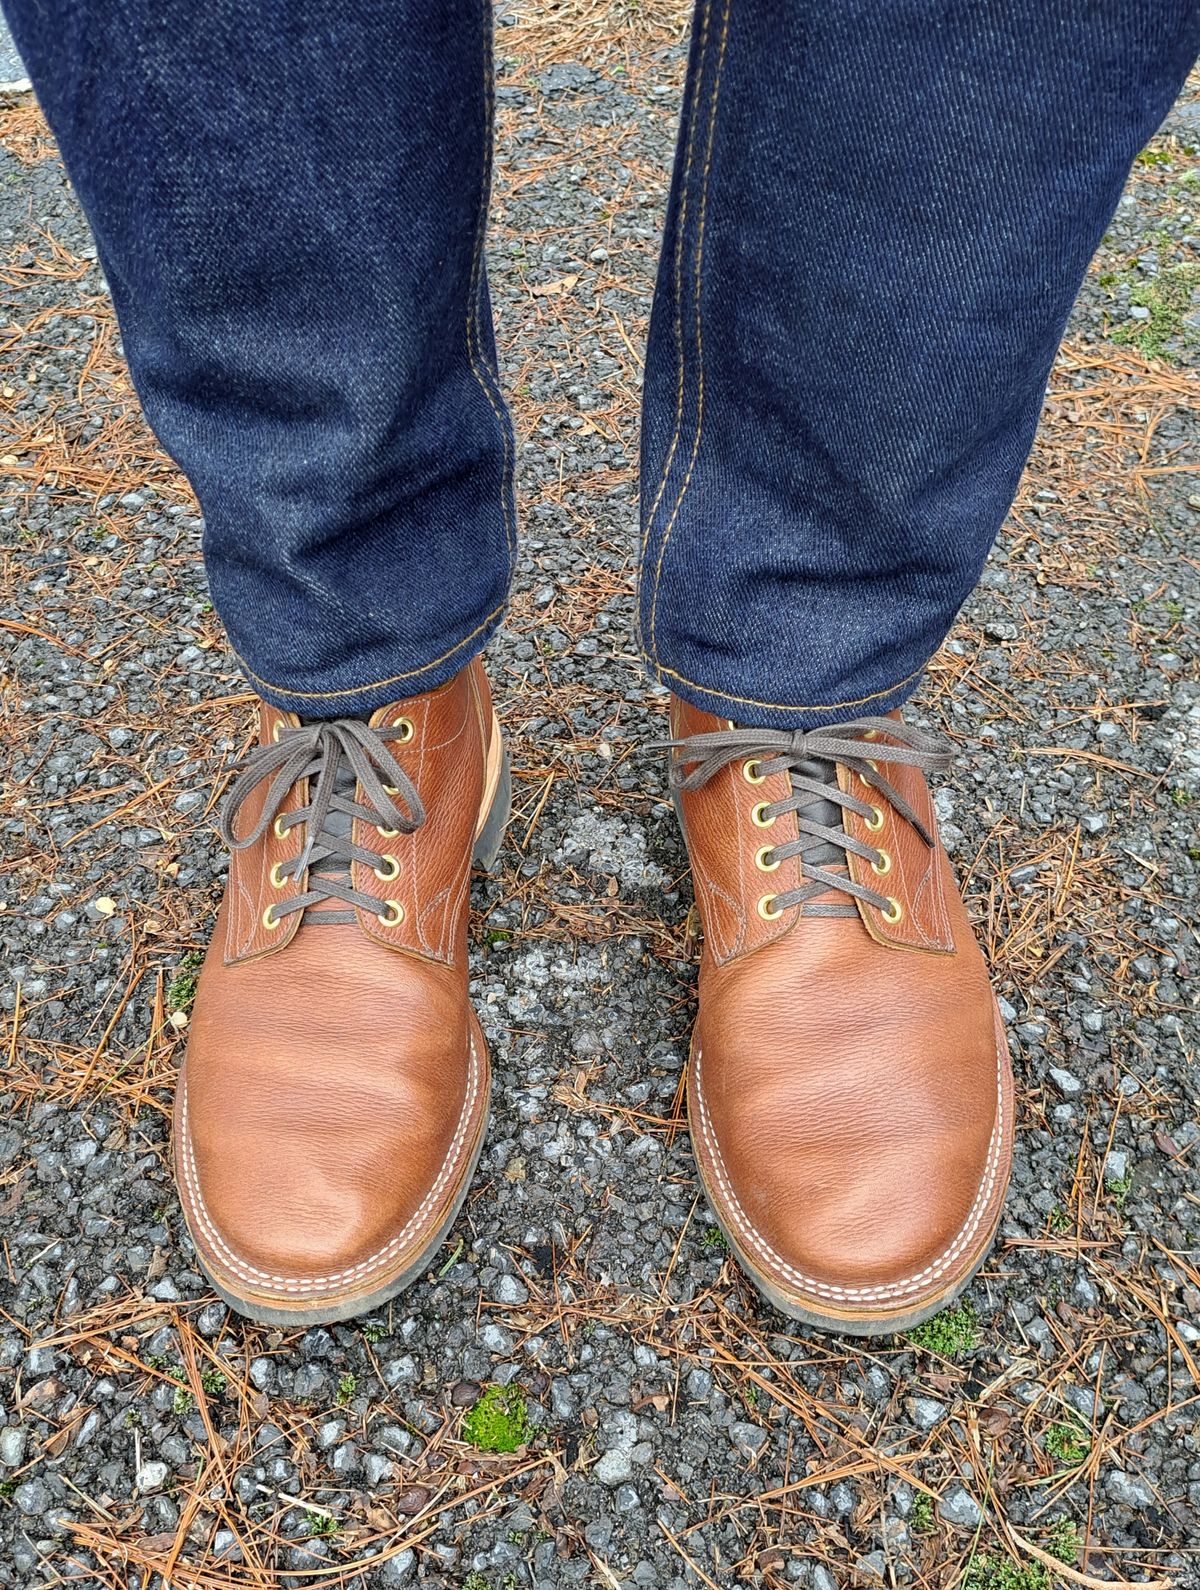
(680, 230)
(687, 479)
(495, 401)
(484, 375)
(773, 706)
(376, 684)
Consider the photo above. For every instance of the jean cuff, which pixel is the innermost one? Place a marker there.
(397, 684)
(745, 711)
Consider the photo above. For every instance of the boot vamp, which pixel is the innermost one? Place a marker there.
(853, 1092)
(322, 1095)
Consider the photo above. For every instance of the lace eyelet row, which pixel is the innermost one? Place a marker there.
(391, 916)
(767, 860)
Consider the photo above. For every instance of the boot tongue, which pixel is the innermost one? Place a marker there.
(827, 813)
(338, 824)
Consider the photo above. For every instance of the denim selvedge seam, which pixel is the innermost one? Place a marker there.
(485, 377)
(680, 231)
(696, 296)
(488, 378)
(660, 668)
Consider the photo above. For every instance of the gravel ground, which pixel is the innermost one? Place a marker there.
(664, 1428)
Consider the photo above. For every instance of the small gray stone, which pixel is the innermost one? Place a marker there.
(1116, 1166)
(959, 1507)
(748, 1438)
(33, 1498)
(496, 1339)
(398, 1569)
(1070, 1087)
(377, 1469)
(511, 1289)
(872, 1568)
(1128, 1490)
(262, 1373)
(925, 1412)
(12, 1447)
(614, 1468)
(152, 1477)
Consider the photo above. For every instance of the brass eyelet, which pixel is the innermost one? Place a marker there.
(406, 730)
(894, 911)
(387, 833)
(277, 731)
(751, 774)
(759, 818)
(761, 862)
(764, 908)
(389, 870)
(875, 820)
(882, 864)
(269, 920)
(394, 914)
(277, 878)
(280, 831)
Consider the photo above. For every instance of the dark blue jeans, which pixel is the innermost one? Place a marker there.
(880, 216)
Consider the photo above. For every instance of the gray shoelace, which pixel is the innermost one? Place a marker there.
(811, 758)
(337, 757)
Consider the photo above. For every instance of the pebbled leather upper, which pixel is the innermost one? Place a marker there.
(335, 1080)
(850, 1089)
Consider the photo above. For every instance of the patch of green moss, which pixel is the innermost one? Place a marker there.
(347, 1386)
(990, 1572)
(1062, 1540)
(1168, 297)
(321, 1524)
(920, 1515)
(1067, 1442)
(181, 991)
(499, 1421)
(949, 1334)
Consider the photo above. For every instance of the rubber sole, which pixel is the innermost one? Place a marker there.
(497, 809)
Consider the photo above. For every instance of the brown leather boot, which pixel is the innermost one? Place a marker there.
(331, 1107)
(849, 1095)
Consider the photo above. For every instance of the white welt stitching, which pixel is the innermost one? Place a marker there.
(249, 1272)
(897, 1289)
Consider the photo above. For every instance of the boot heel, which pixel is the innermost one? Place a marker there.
(491, 835)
